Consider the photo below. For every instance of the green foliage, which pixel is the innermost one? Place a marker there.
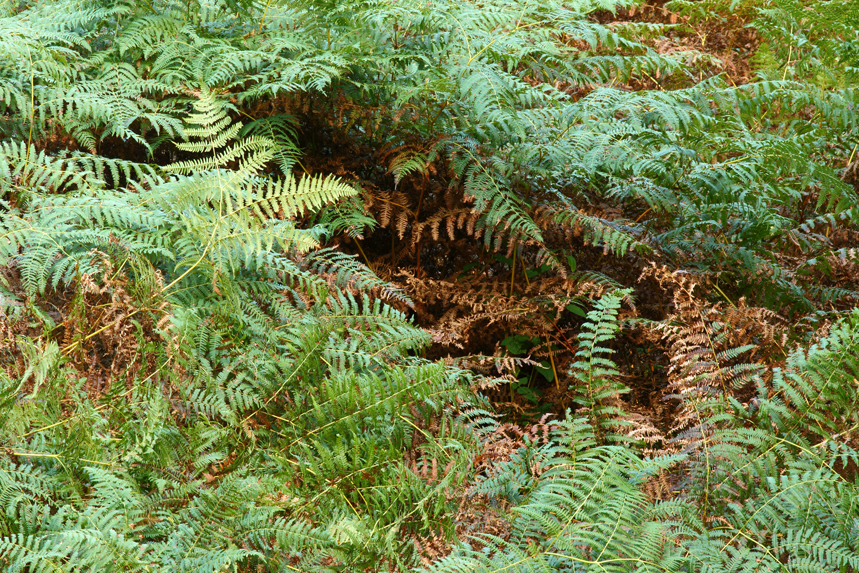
(197, 376)
(767, 489)
(721, 180)
(825, 41)
(585, 511)
(595, 373)
(264, 370)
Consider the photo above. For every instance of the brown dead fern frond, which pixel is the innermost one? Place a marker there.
(708, 348)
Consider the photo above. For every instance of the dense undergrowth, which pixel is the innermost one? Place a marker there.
(443, 286)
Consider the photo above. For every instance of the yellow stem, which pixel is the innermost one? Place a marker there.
(546, 336)
(640, 217)
(267, 4)
(513, 271)
(724, 295)
(366, 260)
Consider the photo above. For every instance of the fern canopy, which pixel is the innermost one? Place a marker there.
(429, 286)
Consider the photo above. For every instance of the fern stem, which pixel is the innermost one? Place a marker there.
(76, 343)
(546, 336)
(417, 214)
(724, 295)
(32, 106)
(640, 217)
(518, 27)
(513, 271)
(852, 155)
(552, 361)
(366, 260)
(436, 116)
(264, 13)
(55, 457)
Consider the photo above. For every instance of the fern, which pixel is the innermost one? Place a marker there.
(595, 373)
(243, 245)
(585, 513)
